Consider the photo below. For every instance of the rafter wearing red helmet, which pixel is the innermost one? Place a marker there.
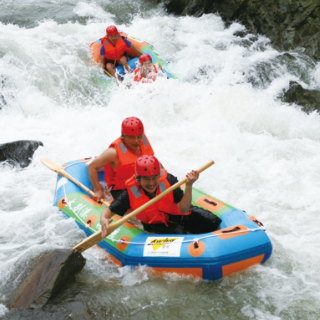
(113, 50)
(146, 72)
(171, 214)
(119, 159)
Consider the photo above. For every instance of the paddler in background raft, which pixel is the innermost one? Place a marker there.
(119, 159)
(146, 71)
(113, 49)
(171, 214)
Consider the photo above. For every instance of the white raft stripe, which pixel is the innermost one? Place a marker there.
(62, 182)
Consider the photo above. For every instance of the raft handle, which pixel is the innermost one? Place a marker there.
(234, 229)
(211, 202)
(88, 224)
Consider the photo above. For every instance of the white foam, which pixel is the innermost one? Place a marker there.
(266, 153)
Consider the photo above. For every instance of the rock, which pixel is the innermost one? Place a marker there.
(50, 275)
(3, 101)
(226, 8)
(19, 152)
(240, 34)
(308, 99)
(288, 24)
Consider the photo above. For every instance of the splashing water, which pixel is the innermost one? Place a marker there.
(224, 107)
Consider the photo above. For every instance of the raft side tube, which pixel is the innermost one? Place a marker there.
(239, 243)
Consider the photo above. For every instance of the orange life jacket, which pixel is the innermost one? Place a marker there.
(114, 52)
(118, 176)
(156, 213)
(138, 74)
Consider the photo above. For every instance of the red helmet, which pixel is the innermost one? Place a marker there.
(147, 166)
(112, 30)
(145, 57)
(132, 126)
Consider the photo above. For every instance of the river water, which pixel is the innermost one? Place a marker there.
(224, 107)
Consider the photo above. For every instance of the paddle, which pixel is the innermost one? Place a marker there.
(108, 73)
(96, 237)
(51, 272)
(54, 166)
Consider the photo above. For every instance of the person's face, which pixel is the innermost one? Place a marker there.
(113, 38)
(133, 142)
(147, 65)
(150, 184)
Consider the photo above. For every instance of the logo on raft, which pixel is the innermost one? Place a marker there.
(165, 246)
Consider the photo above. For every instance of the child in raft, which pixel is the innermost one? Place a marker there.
(146, 72)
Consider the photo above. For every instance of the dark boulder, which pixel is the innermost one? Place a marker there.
(49, 275)
(3, 101)
(19, 152)
(308, 99)
(288, 24)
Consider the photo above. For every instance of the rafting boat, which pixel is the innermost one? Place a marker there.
(240, 242)
(143, 46)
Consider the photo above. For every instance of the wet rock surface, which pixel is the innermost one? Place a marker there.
(48, 277)
(289, 24)
(19, 152)
(308, 99)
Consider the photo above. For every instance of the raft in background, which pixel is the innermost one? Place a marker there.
(240, 243)
(143, 46)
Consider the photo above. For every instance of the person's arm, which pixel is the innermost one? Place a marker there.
(102, 62)
(131, 46)
(108, 156)
(136, 50)
(105, 220)
(120, 206)
(159, 66)
(185, 203)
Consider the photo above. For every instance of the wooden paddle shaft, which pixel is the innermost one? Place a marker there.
(58, 169)
(96, 237)
(108, 73)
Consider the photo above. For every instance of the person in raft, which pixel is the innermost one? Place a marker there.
(171, 214)
(146, 72)
(112, 50)
(119, 159)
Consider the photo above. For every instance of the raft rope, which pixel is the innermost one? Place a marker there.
(194, 241)
(65, 194)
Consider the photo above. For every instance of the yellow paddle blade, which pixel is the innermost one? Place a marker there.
(56, 167)
(59, 169)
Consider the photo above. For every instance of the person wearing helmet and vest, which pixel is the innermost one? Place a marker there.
(146, 72)
(119, 159)
(113, 49)
(171, 214)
